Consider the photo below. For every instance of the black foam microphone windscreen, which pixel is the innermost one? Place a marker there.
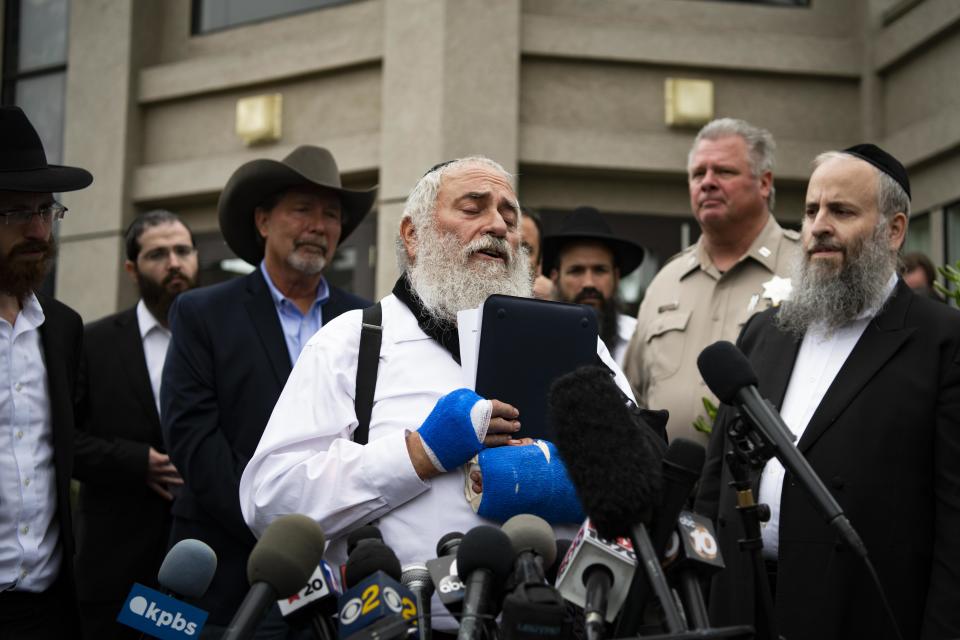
(366, 532)
(725, 370)
(614, 459)
(370, 557)
(287, 554)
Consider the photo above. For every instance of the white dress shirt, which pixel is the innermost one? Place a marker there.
(819, 360)
(626, 325)
(156, 339)
(306, 462)
(30, 555)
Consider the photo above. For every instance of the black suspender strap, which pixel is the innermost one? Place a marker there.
(368, 361)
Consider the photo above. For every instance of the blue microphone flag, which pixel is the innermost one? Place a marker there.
(159, 615)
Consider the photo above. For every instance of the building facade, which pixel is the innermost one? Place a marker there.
(570, 94)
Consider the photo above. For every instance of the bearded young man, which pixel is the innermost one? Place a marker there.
(123, 511)
(40, 342)
(866, 374)
(586, 260)
(459, 242)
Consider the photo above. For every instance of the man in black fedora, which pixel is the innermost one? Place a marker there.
(40, 342)
(235, 343)
(586, 260)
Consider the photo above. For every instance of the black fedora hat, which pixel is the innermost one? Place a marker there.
(23, 163)
(256, 180)
(586, 223)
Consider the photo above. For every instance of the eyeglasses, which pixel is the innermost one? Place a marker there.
(47, 213)
(162, 254)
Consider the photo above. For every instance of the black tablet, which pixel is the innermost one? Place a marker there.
(526, 344)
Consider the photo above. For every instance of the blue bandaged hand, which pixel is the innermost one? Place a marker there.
(454, 431)
(527, 479)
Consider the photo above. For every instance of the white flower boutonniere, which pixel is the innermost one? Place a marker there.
(777, 289)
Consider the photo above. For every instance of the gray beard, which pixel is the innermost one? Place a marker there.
(828, 299)
(446, 281)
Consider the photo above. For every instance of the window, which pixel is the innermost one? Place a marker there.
(918, 235)
(213, 15)
(35, 74)
(951, 215)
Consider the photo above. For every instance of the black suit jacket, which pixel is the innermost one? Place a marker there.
(61, 336)
(225, 369)
(122, 527)
(885, 440)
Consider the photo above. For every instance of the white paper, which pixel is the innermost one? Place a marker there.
(468, 332)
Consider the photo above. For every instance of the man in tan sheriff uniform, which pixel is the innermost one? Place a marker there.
(739, 266)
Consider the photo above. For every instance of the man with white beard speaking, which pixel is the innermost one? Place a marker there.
(459, 242)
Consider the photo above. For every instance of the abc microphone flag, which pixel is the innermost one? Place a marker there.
(377, 597)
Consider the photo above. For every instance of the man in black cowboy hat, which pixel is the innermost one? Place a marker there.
(586, 260)
(40, 349)
(235, 343)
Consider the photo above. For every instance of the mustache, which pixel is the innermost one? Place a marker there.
(320, 244)
(588, 293)
(825, 244)
(30, 246)
(490, 244)
(176, 274)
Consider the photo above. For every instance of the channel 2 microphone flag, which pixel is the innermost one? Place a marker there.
(160, 616)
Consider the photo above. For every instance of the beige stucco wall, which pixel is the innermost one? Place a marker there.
(567, 92)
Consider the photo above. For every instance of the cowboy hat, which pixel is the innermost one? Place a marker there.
(256, 180)
(23, 163)
(586, 223)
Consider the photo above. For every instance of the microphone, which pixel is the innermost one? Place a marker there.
(416, 577)
(533, 543)
(693, 553)
(368, 558)
(533, 610)
(315, 604)
(187, 569)
(366, 532)
(280, 563)
(732, 379)
(614, 460)
(375, 604)
(563, 546)
(443, 573)
(484, 562)
(582, 576)
(682, 466)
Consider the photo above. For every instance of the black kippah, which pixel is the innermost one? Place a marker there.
(882, 160)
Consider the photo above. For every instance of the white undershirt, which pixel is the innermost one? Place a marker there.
(30, 555)
(819, 360)
(156, 339)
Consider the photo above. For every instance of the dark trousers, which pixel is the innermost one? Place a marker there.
(38, 616)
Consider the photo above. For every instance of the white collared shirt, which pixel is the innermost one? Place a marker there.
(819, 360)
(156, 339)
(30, 555)
(626, 325)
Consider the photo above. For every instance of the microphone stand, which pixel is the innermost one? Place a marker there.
(750, 453)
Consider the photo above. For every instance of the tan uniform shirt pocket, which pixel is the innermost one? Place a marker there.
(665, 341)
